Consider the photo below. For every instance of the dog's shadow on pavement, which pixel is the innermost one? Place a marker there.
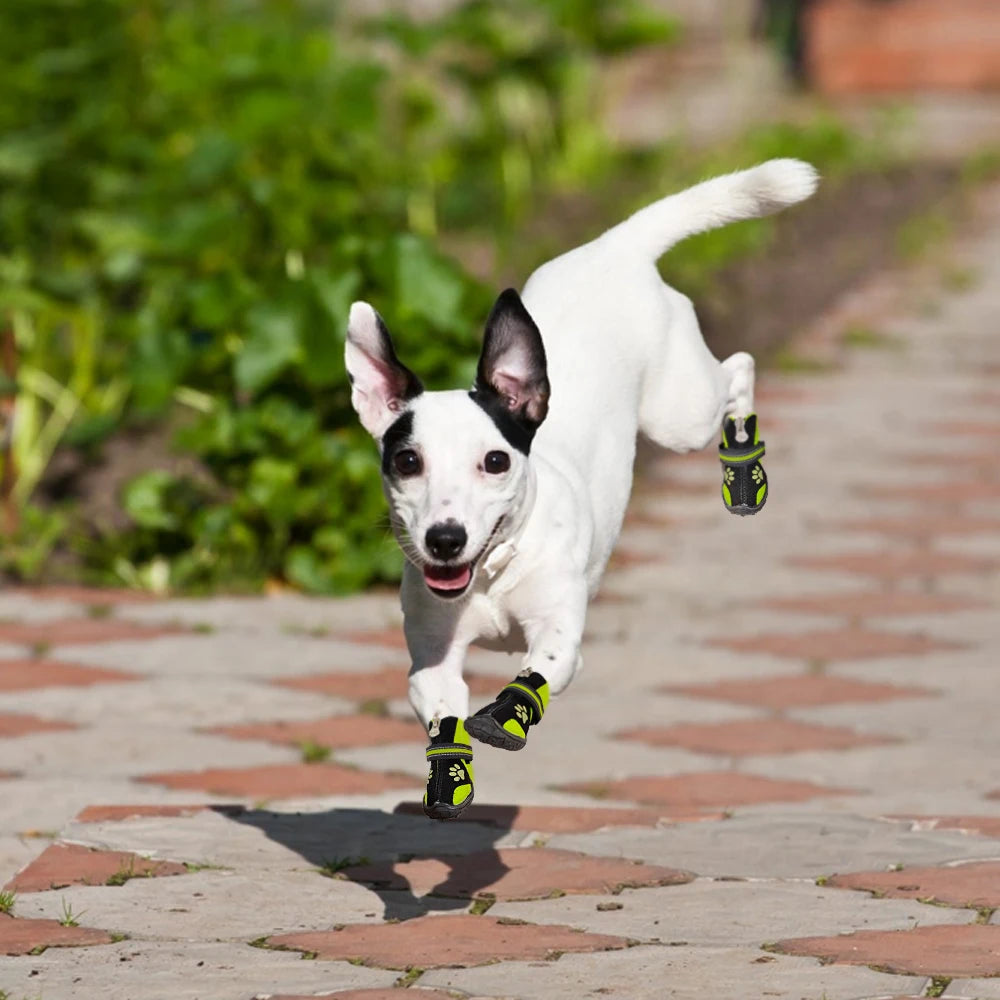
(413, 864)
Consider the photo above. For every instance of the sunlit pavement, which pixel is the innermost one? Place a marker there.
(777, 775)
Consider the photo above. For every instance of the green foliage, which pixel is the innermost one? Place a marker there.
(191, 194)
(823, 141)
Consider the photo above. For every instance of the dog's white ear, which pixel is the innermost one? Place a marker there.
(381, 384)
(512, 364)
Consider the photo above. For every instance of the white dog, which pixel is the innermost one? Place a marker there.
(508, 504)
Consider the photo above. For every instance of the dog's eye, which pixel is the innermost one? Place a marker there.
(496, 462)
(407, 462)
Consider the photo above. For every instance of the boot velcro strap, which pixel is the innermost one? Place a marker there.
(741, 456)
(449, 751)
(516, 687)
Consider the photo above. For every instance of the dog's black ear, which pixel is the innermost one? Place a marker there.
(381, 384)
(512, 364)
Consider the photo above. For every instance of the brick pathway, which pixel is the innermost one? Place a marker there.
(793, 789)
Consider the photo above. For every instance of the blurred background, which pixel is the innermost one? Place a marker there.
(192, 192)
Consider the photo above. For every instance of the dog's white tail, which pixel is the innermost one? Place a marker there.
(747, 194)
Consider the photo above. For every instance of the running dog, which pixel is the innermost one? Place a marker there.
(507, 500)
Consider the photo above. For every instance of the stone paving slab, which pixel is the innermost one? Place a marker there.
(782, 844)
(644, 973)
(185, 970)
(719, 914)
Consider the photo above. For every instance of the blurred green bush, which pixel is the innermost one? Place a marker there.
(191, 194)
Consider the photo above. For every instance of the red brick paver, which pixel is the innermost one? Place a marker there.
(19, 936)
(337, 732)
(923, 527)
(983, 826)
(60, 865)
(896, 565)
(106, 814)
(975, 885)
(797, 691)
(705, 789)
(25, 675)
(22, 725)
(77, 631)
(283, 781)
(448, 941)
(377, 994)
(391, 638)
(516, 873)
(848, 643)
(938, 493)
(874, 604)
(746, 737)
(979, 465)
(971, 428)
(963, 950)
(377, 685)
(99, 596)
(568, 819)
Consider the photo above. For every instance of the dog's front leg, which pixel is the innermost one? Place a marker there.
(554, 631)
(440, 697)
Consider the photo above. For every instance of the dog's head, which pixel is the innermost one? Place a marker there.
(454, 464)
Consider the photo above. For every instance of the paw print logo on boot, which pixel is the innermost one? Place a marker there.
(757, 474)
(522, 713)
(457, 772)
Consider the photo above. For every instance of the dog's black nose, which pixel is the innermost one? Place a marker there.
(445, 540)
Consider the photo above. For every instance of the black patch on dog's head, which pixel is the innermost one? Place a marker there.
(397, 436)
(512, 385)
(517, 433)
(405, 384)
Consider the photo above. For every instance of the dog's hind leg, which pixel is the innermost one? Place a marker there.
(739, 368)
(744, 482)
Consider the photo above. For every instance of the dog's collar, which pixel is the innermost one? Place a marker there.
(497, 560)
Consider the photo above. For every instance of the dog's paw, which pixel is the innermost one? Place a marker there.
(744, 482)
(450, 777)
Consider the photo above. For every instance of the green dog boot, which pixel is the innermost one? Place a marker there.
(744, 482)
(505, 722)
(449, 780)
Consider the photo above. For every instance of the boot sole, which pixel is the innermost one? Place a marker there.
(443, 811)
(742, 510)
(486, 729)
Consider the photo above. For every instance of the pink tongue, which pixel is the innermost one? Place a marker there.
(447, 577)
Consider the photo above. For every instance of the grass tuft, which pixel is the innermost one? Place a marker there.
(312, 752)
(7, 900)
(481, 905)
(69, 918)
(409, 977)
(333, 866)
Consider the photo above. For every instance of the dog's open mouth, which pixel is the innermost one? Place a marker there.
(448, 581)
(452, 580)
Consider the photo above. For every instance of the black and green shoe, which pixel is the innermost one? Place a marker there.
(744, 482)
(505, 722)
(449, 781)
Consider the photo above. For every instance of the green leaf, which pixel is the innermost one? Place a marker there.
(145, 500)
(272, 344)
(427, 285)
